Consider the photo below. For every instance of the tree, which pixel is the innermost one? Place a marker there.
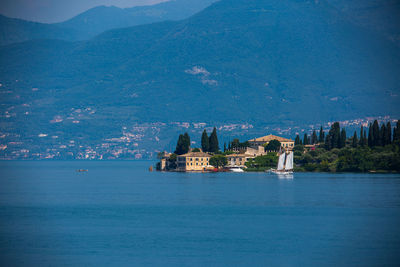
(362, 136)
(375, 134)
(297, 141)
(183, 144)
(382, 135)
(388, 133)
(334, 134)
(235, 143)
(396, 133)
(273, 145)
(306, 140)
(180, 147)
(370, 137)
(205, 145)
(186, 142)
(342, 140)
(218, 161)
(314, 138)
(321, 135)
(355, 139)
(196, 150)
(214, 146)
(224, 146)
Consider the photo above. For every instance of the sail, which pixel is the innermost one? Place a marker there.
(289, 161)
(281, 162)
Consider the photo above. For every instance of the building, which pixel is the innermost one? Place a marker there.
(285, 143)
(238, 160)
(164, 161)
(193, 161)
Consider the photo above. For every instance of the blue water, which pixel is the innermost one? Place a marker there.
(120, 214)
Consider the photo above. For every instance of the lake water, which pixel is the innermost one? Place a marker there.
(120, 214)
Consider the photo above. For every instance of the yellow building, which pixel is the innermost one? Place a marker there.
(193, 161)
(238, 160)
(285, 143)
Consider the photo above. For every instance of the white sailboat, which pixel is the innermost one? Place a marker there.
(285, 164)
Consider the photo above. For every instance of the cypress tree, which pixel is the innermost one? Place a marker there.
(314, 138)
(375, 134)
(180, 146)
(186, 139)
(370, 138)
(355, 140)
(382, 135)
(365, 139)
(297, 140)
(205, 144)
(305, 139)
(321, 135)
(334, 134)
(214, 146)
(342, 140)
(362, 136)
(388, 133)
(396, 133)
(328, 142)
(224, 146)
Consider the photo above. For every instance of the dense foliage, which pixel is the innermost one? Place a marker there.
(356, 154)
(261, 163)
(218, 161)
(183, 144)
(273, 145)
(214, 145)
(205, 143)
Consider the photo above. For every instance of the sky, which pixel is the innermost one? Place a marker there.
(50, 11)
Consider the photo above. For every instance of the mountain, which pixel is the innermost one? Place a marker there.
(17, 30)
(102, 18)
(275, 63)
(382, 16)
(97, 20)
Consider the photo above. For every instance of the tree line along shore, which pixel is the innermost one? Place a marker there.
(375, 148)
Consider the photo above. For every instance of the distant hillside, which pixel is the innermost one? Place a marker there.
(102, 18)
(263, 62)
(97, 20)
(17, 30)
(382, 16)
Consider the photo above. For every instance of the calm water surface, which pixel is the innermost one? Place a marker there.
(120, 214)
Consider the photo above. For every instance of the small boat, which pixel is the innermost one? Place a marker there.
(285, 164)
(236, 169)
(81, 170)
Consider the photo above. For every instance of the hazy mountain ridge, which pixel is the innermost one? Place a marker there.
(97, 20)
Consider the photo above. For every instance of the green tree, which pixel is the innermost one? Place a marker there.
(180, 146)
(235, 144)
(306, 139)
(361, 143)
(273, 145)
(355, 139)
(334, 134)
(342, 140)
(314, 138)
(370, 136)
(214, 146)
(224, 146)
(388, 134)
(321, 135)
(375, 134)
(218, 161)
(205, 144)
(196, 150)
(297, 141)
(186, 142)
